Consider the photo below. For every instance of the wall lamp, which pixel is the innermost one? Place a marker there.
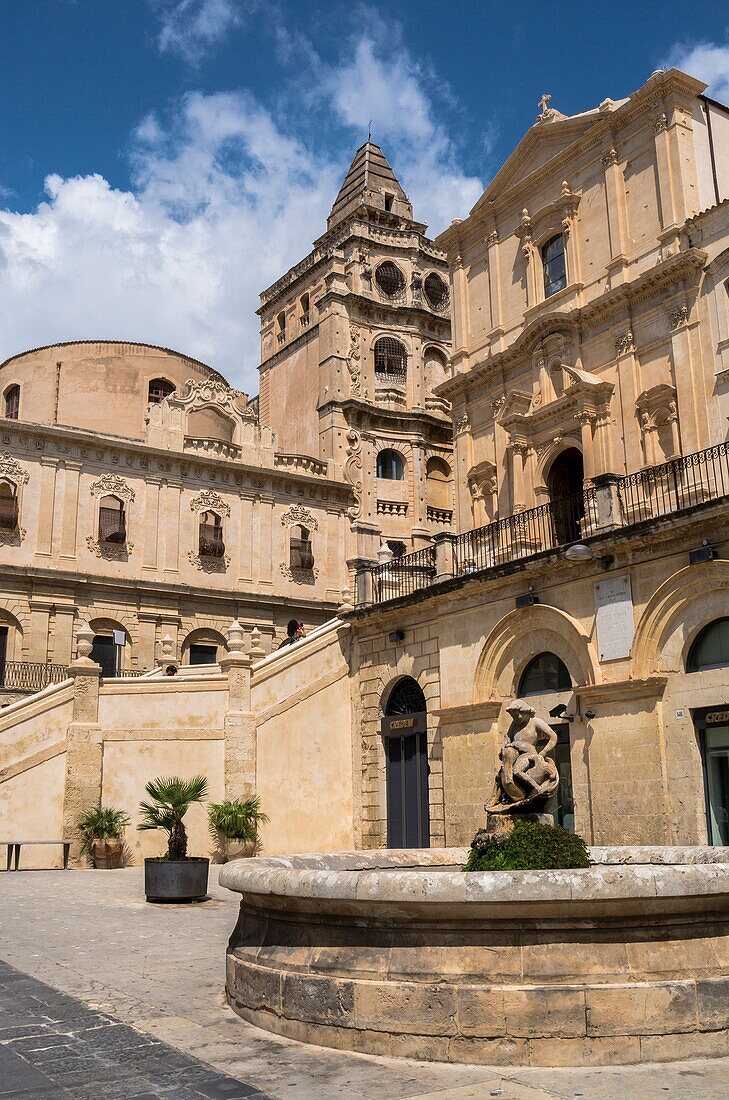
(528, 599)
(580, 552)
(396, 636)
(703, 553)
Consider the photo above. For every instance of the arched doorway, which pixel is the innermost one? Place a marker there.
(565, 484)
(547, 675)
(404, 729)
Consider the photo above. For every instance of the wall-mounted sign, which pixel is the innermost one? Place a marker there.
(614, 617)
(120, 637)
(717, 718)
(405, 723)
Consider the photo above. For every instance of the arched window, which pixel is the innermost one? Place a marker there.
(391, 358)
(390, 465)
(438, 487)
(8, 506)
(112, 520)
(436, 291)
(710, 648)
(390, 279)
(304, 305)
(544, 673)
(300, 552)
(12, 402)
(211, 536)
(281, 327)
(159, 388)
(553, 263)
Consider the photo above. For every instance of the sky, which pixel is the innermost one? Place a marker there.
(163, 161)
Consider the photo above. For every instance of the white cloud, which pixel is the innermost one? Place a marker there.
(225, 198)
(706, 60)
(192, 27)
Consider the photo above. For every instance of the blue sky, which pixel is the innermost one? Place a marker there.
(164, 160)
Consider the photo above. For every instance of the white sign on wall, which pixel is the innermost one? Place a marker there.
(614, 617)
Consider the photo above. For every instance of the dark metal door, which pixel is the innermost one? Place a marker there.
(105, 652)
(3, 652)
(408, 817)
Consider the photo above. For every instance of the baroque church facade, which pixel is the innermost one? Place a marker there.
(141, 493)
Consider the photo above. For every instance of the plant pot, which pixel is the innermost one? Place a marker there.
(176, 879)
(234, 848)
(106, 855)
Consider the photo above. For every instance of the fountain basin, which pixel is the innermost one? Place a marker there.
(394, 952)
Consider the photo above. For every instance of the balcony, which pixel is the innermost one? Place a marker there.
(612, 502)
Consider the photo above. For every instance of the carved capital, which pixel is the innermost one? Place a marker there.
(678, 317)
(624, 343)
(610, 158)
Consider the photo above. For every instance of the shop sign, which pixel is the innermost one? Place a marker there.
(405, 723)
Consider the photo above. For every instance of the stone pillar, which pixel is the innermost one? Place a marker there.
(239, 723)
(363, 589)
(445, 564)
(608, 512)
(84, 751)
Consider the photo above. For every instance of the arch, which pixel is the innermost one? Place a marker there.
(519, 637)
(676, 613)
(304, 306)
(544, 673)
(439, 483)
(391, 360)
(548, 456)
(158, 389)
(112, 657)
(390, 465)
(13, 631)
(199, 643)
(435, 363)
(11, 402)
(405, 697)
(405, 735)
(710, 647)
(210, 423)
(565, 481)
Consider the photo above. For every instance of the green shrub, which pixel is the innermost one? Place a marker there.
(237, 819)
(171, 798)
(528, 847)
(102, 823)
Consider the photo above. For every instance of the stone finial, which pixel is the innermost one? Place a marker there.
(84, 641)
(256, 649)
(385, 554)
(235, 635)
(167, 648)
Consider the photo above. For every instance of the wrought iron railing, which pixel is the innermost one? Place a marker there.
(403, 576)
(655, 491)
(30, 675)
(556, 523)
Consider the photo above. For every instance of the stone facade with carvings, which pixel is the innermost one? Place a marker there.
(354, 341)
(142, 494)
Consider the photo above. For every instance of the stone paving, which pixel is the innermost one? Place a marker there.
(144, 1010)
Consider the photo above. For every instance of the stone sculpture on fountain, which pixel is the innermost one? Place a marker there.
(526, 778)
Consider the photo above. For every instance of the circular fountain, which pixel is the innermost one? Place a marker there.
(400, 952)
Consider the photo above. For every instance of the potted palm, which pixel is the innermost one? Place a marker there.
(102, 829)
(174, 876)
(235, 824)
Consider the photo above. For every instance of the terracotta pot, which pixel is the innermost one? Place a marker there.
(106, 855)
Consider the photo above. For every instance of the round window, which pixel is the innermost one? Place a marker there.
(436, 291)
(390, 279)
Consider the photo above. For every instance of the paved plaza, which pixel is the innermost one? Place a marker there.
(105, 996)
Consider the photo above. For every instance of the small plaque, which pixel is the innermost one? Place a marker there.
(680, 713)
(614, 617)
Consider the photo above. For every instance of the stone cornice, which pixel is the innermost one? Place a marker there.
(137, 458)
(376, 416)
(612, 303)
(622, 690)
(484, 711)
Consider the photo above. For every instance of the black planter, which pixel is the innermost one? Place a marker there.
(176, 879)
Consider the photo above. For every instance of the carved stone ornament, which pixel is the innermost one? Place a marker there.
(526, 778)
(624, 343)
(112, 551)
(297, 513)
(610, 158)
(12, 470)
(208, 564)
(353, 361)
(12, 538)
(112, 485)
(210, 501)
(353, 471)
(660, 124)
(462, 424)
(678, 317)
(300, 576)
(547, 113)
(211, 391)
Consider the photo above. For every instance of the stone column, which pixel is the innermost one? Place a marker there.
(445, 564)
(608, 505)
(84, 751)
(239, 723)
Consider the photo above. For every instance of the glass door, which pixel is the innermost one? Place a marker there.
(716, 755)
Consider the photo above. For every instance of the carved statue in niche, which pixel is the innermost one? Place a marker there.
(526, 779)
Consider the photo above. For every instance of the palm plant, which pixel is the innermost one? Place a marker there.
(171, 798)
(102, 823)
(237, 819)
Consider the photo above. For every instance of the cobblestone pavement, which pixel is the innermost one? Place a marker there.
(145, 1008)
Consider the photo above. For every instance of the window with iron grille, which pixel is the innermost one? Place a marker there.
(8, 507)
(300, 553)
(112, 520)
(555, 269)
(436, 291)
(159, 388)
(391, 360)
(211, 543)
(390, 279)
(12, 402)
(390, 465)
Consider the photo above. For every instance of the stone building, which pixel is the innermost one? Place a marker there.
(355, 340)
(139, 492)
(591, 572)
